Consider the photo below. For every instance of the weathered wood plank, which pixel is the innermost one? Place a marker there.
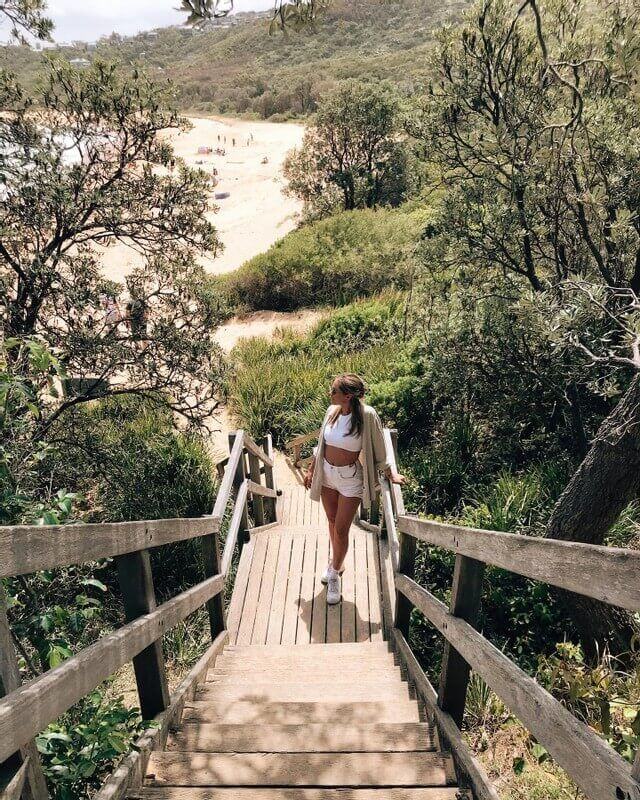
(375, 597)
(276, 614)
(570, 742)
(13, 790)
(231, 477)
(299, 769)
(333, 690)
(36, 785)
(136, 585)
(466, 595)
(30, 708)
(302, 439)
(256, 450)
(319, 618)
(362, 588)
(258, 504)
(605, 573)
(248, 616)
(465, 761)
(349, 609)
(313, 738)
(131, 770)
(235, 531)
(29, 548)
(306, 673)
(291, 605)
(286, 713)
(239, 590)
(232, 793)
(305, 606)
(261, 624)
(270, 503)
(261, 491)
(406, 566)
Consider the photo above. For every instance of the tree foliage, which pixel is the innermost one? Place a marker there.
(84, 166)
(352, 155)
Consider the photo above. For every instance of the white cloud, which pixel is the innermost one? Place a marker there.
(77, 19)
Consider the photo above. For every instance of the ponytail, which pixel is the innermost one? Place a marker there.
(353, 386)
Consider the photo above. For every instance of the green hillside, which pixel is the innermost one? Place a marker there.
(242, 70)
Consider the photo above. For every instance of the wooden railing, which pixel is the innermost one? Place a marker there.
(610, 575)
(26, 710)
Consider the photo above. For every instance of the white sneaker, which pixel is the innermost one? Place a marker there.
(325, 575)
(334, 594)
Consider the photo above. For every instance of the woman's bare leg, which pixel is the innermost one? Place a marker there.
(346, 511)
(330, 502)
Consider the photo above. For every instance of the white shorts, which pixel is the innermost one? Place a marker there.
(348, 481)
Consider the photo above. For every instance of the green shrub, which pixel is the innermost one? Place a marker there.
(282, 386)
(82, 747)
(333, 262)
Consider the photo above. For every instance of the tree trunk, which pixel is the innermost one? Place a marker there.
(606, 481)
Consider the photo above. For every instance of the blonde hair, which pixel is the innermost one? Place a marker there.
(353, 386)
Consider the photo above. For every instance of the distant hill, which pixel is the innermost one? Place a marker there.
(239, 69)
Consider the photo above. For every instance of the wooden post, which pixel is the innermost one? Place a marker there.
(254, 474)
(269, 502)
(215, 606)
(406, 566)
(136, 585)
(239, 477)
(466, 596)
(374, 511)
(27, 759)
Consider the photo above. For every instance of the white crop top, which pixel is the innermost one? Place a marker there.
(337, 435)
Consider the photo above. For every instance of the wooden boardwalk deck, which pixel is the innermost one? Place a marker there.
(306, 702)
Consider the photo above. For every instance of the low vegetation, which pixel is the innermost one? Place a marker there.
(331, 262)
(241, 70)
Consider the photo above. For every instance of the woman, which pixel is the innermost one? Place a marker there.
(344, 470)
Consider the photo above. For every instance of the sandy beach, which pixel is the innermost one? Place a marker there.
(256, 213)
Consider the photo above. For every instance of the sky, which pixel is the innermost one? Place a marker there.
(79, 19)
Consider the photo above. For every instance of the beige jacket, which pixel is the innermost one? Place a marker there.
(373, 455)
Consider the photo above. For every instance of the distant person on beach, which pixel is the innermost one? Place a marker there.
(233, 142)
(137, 316)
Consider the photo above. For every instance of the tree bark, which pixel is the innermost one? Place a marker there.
(604, 484)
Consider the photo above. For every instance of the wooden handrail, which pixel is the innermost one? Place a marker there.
(26, 710)
(609, 574)
(262, 491)
(30, 548)
(254, 448)
(30, 708)
(234, 529)
(302, 439)
(226, 485)
(595, 766)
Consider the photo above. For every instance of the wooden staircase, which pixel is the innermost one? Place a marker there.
(311, 722)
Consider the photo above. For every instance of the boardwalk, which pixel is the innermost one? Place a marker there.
(306, 702)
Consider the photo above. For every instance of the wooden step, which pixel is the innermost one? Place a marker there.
(309, 662)
(362, 648)
(294, 692)
(314, 738)
(300, 769)
(298, 713)
(232, 793)
(305, 674)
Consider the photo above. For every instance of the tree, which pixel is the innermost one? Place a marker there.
(352, 156)
(26, 16)
(532, 123)
(84, 165)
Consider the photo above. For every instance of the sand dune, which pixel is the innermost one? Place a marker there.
(256, 214)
